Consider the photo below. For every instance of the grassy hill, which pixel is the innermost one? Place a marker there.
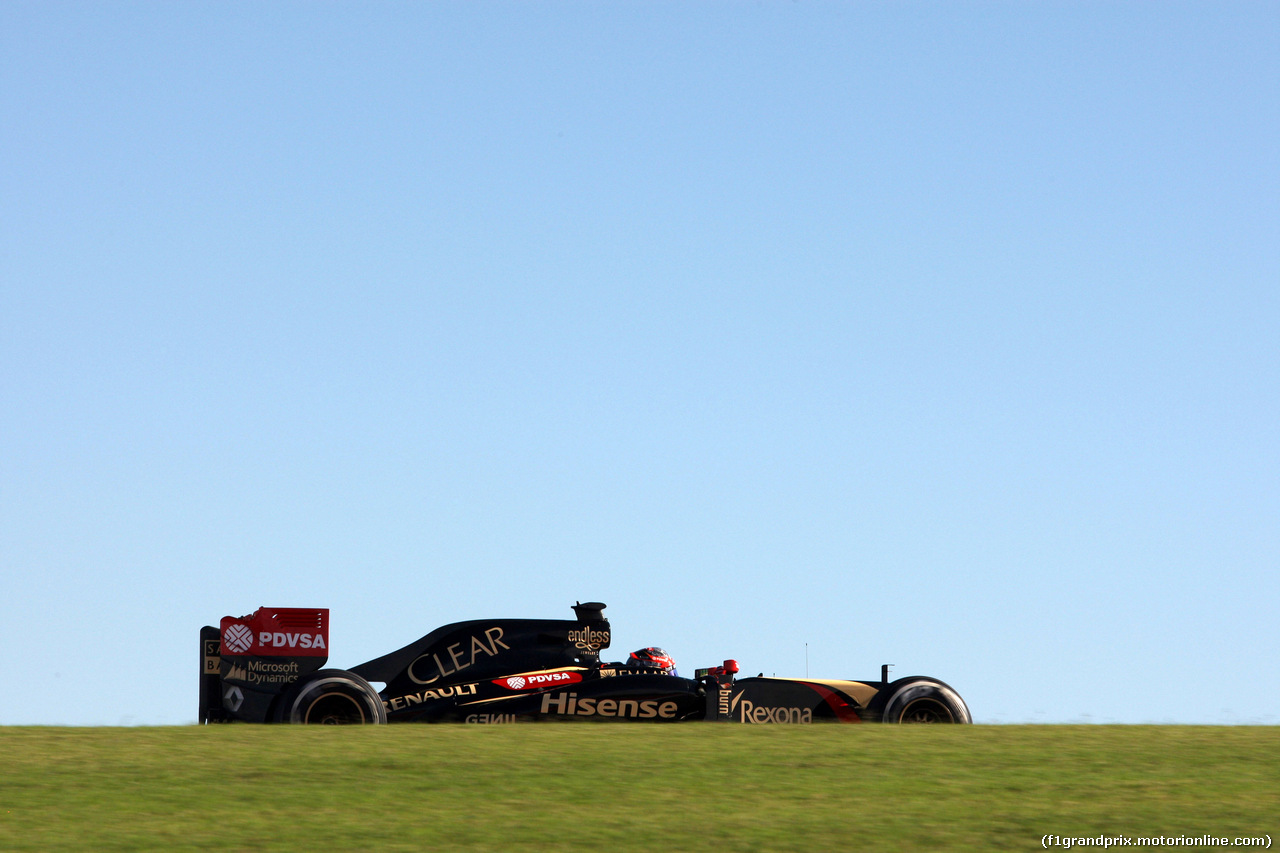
(629, 787)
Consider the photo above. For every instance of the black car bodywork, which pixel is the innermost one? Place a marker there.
(269, 667)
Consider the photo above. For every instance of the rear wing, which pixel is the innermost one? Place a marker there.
(248, 661)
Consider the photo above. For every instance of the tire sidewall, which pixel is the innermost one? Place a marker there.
(906, 693)
(299, 699)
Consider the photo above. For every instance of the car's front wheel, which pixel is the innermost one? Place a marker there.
(332, 697)
(925, 700)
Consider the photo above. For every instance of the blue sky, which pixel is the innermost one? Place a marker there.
(944, 335)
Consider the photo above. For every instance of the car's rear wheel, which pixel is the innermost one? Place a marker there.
(332, 697)
(925, 701)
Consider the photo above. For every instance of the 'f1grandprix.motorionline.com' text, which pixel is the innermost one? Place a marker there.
(1068, 841)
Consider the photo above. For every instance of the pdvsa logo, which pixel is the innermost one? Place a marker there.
(238, 638)
(541, 679)
(284, 640)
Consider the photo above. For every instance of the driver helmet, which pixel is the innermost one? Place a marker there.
(653, 658)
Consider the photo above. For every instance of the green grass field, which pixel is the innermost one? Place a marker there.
(629, 787)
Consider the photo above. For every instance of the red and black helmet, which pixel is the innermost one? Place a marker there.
(653, 658)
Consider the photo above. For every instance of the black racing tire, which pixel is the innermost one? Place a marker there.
(332, 697)
(925, 700)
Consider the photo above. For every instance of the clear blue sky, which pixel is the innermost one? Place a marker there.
(944, 335)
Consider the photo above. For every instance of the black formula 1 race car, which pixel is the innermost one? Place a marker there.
(269, 667)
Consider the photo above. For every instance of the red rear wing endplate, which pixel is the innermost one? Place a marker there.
(277, 632)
